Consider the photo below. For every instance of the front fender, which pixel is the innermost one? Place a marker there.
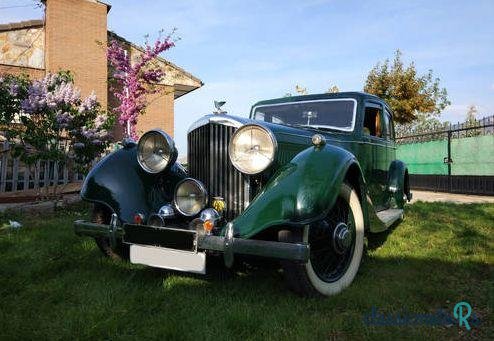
(120, 183)
(300, 192)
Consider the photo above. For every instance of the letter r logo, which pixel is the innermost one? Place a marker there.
(462, 316)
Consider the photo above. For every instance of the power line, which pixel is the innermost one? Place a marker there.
(19, 6)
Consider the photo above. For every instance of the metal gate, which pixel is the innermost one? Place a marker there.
(458, 160)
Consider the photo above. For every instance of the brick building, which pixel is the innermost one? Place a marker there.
(71, 37)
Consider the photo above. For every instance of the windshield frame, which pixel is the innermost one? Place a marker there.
(354, 112)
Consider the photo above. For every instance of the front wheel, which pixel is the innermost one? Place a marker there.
(336, 246)
(102, 215)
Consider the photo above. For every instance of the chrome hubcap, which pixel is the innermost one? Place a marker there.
(342, 238)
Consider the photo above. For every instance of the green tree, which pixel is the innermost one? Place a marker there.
(409, 94)
(422, 125)
(333, 89)
(471, 121)
(301, 90)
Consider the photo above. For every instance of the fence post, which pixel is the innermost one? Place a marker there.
(449, 162)
(65, 173)
(15, 173)
(3, 170)
(37, 171)
(55, 173)
(46, 177)
(27, 177)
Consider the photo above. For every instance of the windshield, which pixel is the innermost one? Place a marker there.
(331, 114)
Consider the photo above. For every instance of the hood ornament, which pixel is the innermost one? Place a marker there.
(218, 105)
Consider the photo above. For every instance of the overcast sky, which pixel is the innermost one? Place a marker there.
(245, 51)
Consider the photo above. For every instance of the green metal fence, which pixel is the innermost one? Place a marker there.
(424, 157)
(459, 159)
(473, 155)
(470, 156)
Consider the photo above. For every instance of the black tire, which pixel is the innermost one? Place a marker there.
(102, 215)
(340, 263)
(216, 269)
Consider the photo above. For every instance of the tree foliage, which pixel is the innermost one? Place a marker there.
(421, 125)
(471, 121)
(410, 95)
(333, 89)
(135, 79)
(47, 119)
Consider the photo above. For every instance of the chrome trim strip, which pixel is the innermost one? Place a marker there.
(220, 119)
(228, 246)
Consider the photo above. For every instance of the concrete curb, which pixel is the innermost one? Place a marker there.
(40, 207)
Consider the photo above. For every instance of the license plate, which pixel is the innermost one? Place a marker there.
(168, 238)
(159, 257)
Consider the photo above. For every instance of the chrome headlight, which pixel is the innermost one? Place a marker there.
(190, 197)
(252, 149)
(155, 151)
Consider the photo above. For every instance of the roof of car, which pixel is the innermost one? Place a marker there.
(351, 94)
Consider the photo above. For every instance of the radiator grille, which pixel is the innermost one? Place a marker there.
(208, 162)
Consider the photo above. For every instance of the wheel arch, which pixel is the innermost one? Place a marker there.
(301, 192)
(399, 182)
(355, 178)
(118, 174)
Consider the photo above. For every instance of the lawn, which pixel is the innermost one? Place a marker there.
(55, 285)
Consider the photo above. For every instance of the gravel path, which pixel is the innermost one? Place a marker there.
(449, 197)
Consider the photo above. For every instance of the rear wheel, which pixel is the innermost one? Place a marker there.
(102, 215)
(336, 247)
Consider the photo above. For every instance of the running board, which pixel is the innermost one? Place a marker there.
(390, 216)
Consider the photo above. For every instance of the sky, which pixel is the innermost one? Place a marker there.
(246, 51)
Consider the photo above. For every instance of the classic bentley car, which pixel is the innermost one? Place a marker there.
(300, 181)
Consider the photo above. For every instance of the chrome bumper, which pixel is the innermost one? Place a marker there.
(228, 245)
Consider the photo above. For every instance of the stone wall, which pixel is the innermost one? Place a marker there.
(24, 47)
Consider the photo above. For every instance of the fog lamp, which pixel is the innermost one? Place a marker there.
(190, 197)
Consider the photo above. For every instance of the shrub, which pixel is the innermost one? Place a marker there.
(47, 119)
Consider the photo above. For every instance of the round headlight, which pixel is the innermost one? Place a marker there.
(190, 197)
(155, 151)
(252, 149)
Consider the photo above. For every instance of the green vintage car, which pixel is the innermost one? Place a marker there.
(301, 181)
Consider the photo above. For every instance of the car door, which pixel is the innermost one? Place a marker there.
(375, 153)
(389, 136)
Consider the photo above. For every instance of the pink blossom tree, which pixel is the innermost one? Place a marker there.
(135, 80)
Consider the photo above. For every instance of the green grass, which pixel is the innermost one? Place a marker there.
(54, 285)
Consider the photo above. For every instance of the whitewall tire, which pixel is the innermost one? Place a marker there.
(337, 245)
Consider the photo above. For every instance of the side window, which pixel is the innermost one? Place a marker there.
(372, 120)
(388, 125)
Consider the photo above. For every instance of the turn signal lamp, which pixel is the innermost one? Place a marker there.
(138, 218)
(208, 226)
